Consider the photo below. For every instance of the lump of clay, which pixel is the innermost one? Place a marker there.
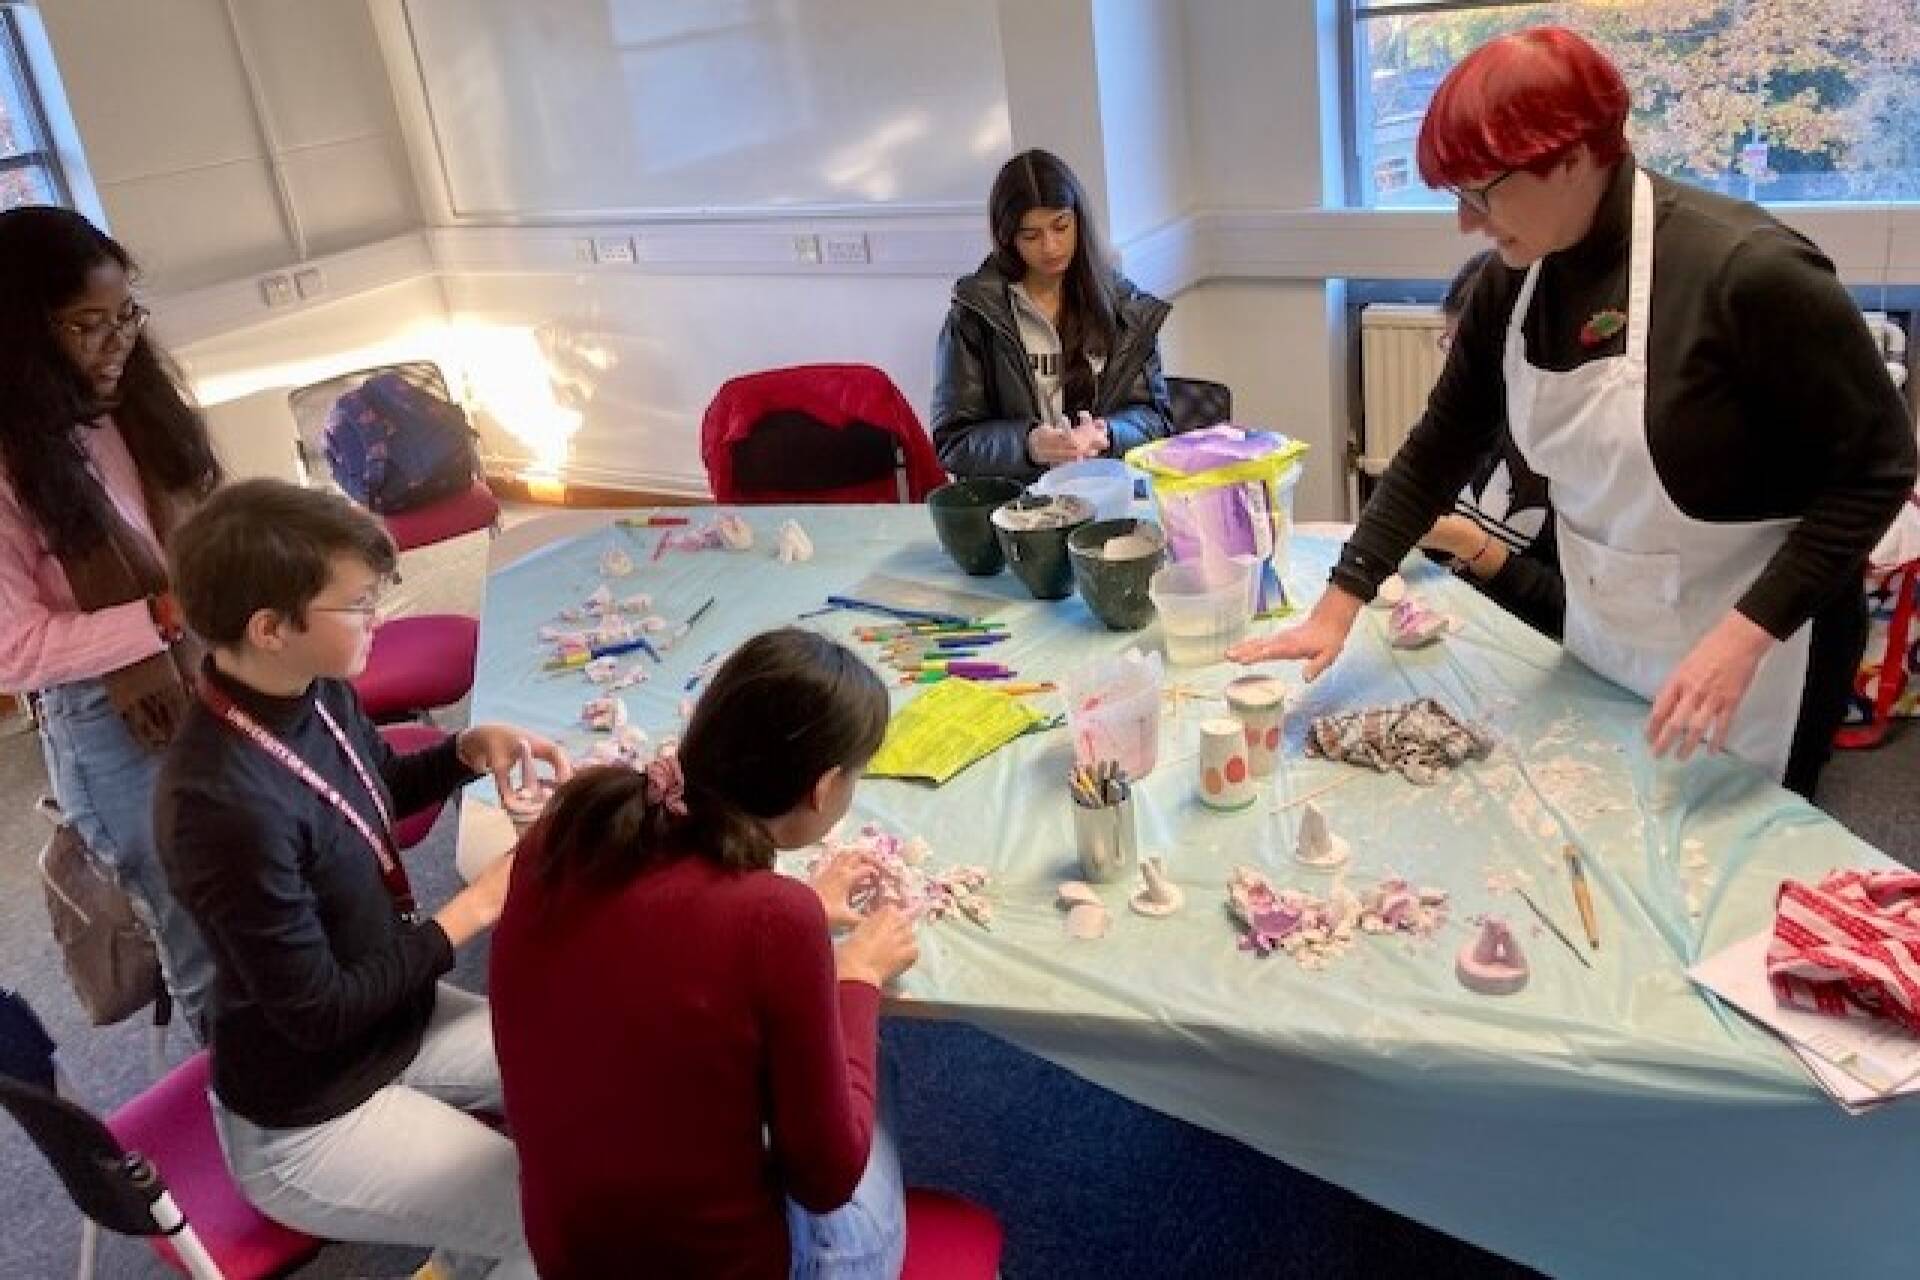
(615, 563)
(1317, 846)
(1493, 963)
(1159, 896)
(1087, 916)
(1414, 626)
(1075, 893)
(791, 544)
(1087, 921)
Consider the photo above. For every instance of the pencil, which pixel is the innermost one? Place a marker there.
(1582, 897)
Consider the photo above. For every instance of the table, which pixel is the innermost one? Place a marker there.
(1602, 1122)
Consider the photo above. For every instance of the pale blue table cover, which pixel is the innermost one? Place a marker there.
(1608, 1122)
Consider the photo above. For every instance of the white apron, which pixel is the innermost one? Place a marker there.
(1645, 581)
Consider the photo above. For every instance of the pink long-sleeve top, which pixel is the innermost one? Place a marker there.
(44, 638)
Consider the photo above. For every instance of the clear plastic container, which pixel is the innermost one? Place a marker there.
(1105, 482)
(1204, 606)
(1113, 711)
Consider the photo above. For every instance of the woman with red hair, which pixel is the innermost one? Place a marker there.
(1722, 443)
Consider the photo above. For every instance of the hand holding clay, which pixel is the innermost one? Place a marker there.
(840, 881)
(499, 750)
(880, 949)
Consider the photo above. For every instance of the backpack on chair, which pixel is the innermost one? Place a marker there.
(393, 446)
(109, 956)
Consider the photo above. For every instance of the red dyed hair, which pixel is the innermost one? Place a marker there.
(1522, 102)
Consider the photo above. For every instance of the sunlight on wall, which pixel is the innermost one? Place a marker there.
(498, 370)
(503, 372)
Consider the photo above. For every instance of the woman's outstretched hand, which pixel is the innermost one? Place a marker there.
(1318, 640)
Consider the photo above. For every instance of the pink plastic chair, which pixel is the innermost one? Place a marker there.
(950, 1239)
(172, 1125)
(418, 664)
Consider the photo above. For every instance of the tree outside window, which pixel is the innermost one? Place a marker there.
(29, 173)
(1777, 100)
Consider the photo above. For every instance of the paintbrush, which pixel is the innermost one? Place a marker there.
(1547, 920)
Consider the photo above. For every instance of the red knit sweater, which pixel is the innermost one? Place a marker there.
(679, 1060)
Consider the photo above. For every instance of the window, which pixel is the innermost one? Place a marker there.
(1777, 100)
(29, 174)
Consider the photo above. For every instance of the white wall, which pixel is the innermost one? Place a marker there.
(1141, 57)
(636, 358)
(200, 186)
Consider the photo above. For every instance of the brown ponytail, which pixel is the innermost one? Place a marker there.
(786, 708)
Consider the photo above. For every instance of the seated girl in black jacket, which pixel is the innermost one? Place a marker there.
(1048, 355)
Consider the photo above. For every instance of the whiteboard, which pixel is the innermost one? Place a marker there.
(584, 108)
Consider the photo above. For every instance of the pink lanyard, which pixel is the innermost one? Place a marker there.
(392, 872)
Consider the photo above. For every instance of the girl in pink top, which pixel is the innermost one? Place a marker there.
(100, 454)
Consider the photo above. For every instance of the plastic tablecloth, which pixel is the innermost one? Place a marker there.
(1611, 1121)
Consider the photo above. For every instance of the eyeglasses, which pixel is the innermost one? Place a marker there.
(1477, 198)
(367, 606)
(93, 335)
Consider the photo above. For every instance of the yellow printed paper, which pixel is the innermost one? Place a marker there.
(947, 728)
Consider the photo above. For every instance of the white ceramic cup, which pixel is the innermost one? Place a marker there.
(1226, 775)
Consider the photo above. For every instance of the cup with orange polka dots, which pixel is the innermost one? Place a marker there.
(1259, 704)
(1226, 772)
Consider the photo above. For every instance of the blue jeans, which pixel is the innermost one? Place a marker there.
(103, 780)
(865, 1238)
(408, 1166)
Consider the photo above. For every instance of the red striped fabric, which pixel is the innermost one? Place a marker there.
(1849, 946)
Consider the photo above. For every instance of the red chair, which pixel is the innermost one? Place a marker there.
(469, 511)
(172, 1125)
(949, 1238)
(816, 434)
(412, 828)
(417, 664)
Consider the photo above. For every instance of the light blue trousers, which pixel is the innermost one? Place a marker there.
(866, 1238)
(408, 1166)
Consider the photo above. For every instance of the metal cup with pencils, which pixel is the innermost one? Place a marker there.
(1103, 831)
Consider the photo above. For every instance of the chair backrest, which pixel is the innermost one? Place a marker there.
(312, 404)
(26, 1050)
(1197, 403)
(110, 1187)
(824, 433)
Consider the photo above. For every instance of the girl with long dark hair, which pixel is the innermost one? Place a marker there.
(1049, 355)
(689, 1062)
(101, 456)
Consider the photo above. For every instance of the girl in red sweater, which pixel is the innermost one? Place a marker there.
(688, 1059)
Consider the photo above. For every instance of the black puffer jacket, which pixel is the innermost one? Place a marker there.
(984, 398)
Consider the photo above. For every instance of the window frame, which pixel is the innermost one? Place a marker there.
(41, 158)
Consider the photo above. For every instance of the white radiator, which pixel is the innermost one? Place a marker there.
(1400, 359)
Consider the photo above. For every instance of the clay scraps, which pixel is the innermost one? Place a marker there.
(729, 532)
(1412, 625)
(904, 878)
(1314, 930)
(1420, 740)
